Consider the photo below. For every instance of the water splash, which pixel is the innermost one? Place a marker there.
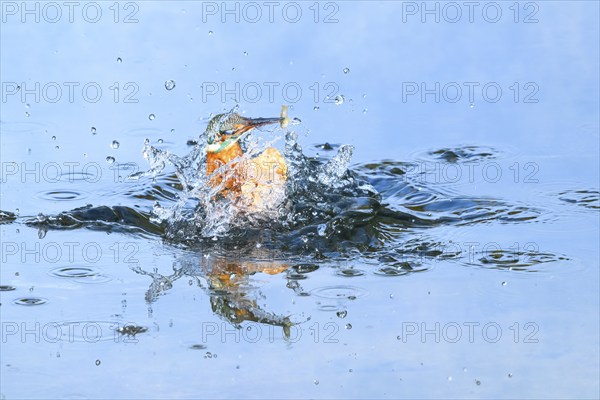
(377, 214)
(203, 210)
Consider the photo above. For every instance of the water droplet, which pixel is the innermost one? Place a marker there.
(119, 60)
(472, 105)
(316, 108)
(346, 70)
(56, 147)
(245, 53)
(321, 229)
(110, 159)
(210, 33)
(170, 84)
(316, 382)
(151, 117)
(160, 140)
(97, 362)
(477, 382)
(53, 137)
(449, 379)
(339, 99)
(350, 370)
(172, 130)
(465, 369)
(233, 68)
(504, 283)
(27, 105)
(366, 110)
(27, 114)
(114, 144)
(391, 295)
(342, 314)
(510, 375)
(93, 130)
(348, 326)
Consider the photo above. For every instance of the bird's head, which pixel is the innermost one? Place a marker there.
(223, 130)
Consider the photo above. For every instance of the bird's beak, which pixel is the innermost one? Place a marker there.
(239, 130)
(245, 125)
(250, 123)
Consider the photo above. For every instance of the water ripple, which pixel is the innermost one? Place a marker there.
(349, 272)
(522, 260)
(339, 292)
(30, 301)
(62, 195)
(588, 198)
(463, 154)
(81, 274)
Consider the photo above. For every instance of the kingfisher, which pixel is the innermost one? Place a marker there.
(259, 182)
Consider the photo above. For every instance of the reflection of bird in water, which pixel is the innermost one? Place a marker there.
(258, 182)
(228, 280)
(228, 288)
(160, 283)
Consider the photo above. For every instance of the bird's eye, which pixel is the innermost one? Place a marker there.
(227, 132)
